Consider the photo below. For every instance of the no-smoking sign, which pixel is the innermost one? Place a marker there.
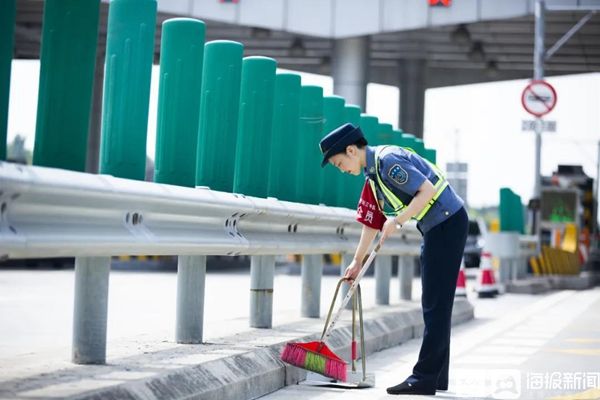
(538, 98)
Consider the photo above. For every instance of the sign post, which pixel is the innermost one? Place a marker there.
(538, 99)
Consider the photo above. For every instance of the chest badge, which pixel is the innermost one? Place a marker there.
(398, 174)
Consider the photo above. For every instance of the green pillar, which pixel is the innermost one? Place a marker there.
(333, 112)
(511, 212)
(286, 115)
(219, 107)
(351, 185)
(181, 54)
(419, 147)
(369, 125)
(310, 128)
(397, 137)
(408, 141)
(129, 55)
(67, 63)
(431, 155)
(386, 133)
(352, 114)
(7, 31)
(254, 126)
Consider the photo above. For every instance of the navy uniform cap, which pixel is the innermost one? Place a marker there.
(336, 141)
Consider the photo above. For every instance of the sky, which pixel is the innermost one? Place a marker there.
(479, 124)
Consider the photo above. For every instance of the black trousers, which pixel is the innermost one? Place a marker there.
(441, 254)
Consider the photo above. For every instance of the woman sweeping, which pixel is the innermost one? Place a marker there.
(413, 188)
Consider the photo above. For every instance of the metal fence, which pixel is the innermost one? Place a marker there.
(49, 212)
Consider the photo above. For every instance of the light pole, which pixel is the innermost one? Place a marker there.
(538, 74)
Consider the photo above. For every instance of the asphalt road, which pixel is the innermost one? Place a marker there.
(36, 312)
(518, 347)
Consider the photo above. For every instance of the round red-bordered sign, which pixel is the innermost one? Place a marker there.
(538, 98)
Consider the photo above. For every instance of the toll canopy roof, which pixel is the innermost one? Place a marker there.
(470, 41)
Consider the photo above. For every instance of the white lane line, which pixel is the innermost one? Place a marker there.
(485, 333)
(523, 333)
(541, 314)
(496, 360)
(508, 350)
(519, 342)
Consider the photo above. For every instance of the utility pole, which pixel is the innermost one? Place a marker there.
(538, 74)
(540, 55)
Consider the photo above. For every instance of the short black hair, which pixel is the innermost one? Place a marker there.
(361, 143)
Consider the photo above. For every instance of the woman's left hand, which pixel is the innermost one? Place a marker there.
(389, 227)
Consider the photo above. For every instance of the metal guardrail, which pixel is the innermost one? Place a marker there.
(48, 212)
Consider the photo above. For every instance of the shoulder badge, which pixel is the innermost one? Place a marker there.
(397, 174)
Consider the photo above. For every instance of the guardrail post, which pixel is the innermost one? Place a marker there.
(262, 271)
(91, 309)
(383, 273)
(346, 260)
(312, 271)
(191, 276)
(405, 276)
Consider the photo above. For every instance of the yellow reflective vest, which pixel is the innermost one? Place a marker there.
(393, 200)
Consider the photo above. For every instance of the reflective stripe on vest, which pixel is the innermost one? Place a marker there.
(394, 201)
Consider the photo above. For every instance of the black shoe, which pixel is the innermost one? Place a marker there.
(409, 388)
(442, 386)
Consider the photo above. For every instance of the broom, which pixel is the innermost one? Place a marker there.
(316, 356)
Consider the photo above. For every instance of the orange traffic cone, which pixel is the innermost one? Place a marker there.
(486, 282)
(461, 282)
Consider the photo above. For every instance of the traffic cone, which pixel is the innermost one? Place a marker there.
(461, 282)
(486, 282)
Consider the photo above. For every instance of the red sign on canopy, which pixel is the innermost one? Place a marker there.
(443, 3)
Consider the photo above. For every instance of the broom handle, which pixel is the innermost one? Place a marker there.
(350, 293)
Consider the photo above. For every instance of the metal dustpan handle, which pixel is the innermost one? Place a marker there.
(329, 325)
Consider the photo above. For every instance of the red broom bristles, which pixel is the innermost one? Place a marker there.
(321, 360)
(293, 355)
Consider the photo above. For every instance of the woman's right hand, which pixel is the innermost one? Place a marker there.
(352, 271)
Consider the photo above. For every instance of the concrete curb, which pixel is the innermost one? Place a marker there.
(242, 366)
(260, 371)
(543, 284)
(583, 281)
(535, 285)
